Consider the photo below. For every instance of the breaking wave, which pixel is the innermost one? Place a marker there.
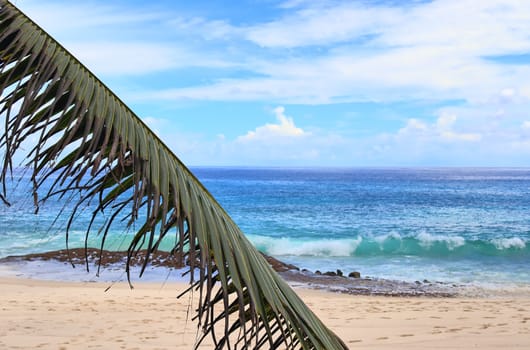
(422, 244)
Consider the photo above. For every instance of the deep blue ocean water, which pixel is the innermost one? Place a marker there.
(459, 225)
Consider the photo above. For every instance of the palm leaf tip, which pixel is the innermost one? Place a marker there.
(91, 144)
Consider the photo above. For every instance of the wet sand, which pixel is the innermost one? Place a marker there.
(81, 315)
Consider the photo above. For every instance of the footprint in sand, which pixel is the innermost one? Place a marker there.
(406, 335)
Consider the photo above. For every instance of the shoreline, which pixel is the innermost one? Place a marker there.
(163, 267)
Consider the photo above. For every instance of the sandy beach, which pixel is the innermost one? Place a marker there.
(82, 315)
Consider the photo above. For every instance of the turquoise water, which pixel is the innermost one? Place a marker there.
(456, 225)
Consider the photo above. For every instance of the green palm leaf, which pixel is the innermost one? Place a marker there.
(90, 143)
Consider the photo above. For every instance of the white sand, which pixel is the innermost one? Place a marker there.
(76, 315)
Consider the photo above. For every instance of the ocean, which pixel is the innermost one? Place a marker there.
(469, 226)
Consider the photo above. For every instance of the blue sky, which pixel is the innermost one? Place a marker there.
(313, 83)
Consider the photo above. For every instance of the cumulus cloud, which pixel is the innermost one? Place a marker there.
(444, 127)
(443, 130)
(414, 126)
(449, 139)
(284, 129)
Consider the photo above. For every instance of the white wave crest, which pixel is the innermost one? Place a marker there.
(427, 240)
(507, 243)
(299, 247)
(393, 235)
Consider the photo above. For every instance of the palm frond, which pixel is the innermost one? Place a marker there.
(90, 143)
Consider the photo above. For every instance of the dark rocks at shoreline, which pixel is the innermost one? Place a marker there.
(279, 266)
(330, 273)
(334, 281)
(338, 273)
(355, 274)
(94, 256)
(369, 286)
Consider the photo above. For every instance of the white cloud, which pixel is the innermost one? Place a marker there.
(442, 130)
(486, 27)
(119, 58)
(451, 135)
(320, 25)
(458, 136)
(444, 127)
(401, 74)
(285, 129)
(414, 126)
(477, 28)
(136, 58)
(361, 51)
(280, 90)
(69, 19)
(112, 40)
(208, 29)
(450, 139)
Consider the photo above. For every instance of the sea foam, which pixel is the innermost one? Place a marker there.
(427, 240)
(509, 243)
(422, 244)
(301, 247)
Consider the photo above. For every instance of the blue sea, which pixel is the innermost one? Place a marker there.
(469, 226)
